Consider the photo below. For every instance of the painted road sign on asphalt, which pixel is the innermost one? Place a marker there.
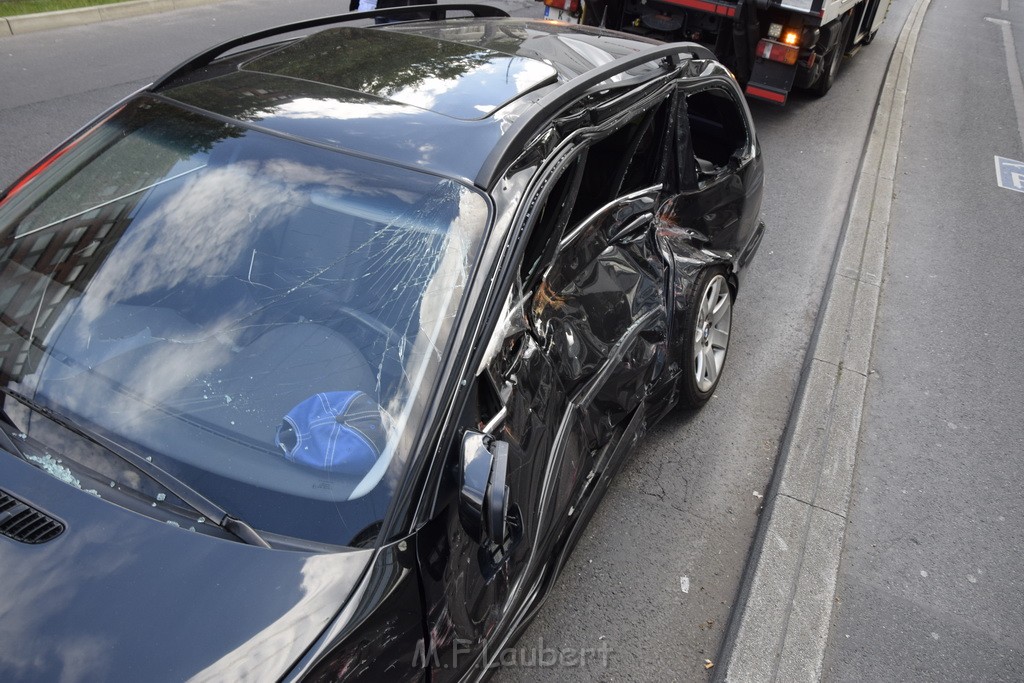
(1010, 174)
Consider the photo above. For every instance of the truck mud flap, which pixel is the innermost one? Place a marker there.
(771, 81)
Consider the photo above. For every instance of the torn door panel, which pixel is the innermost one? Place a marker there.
(461, 584)
(600, 314)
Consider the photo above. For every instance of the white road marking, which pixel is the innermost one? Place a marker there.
(1005, 5)
(684, 583)
(1013, 69)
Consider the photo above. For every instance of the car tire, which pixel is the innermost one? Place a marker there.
(706, 329)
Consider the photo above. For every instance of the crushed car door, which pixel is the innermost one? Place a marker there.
(600, 310)
(580, 346)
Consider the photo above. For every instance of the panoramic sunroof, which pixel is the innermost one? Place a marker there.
(461, 81)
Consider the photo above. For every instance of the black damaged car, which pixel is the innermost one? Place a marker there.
(317, 354)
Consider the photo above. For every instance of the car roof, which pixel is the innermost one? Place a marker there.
(435, 95)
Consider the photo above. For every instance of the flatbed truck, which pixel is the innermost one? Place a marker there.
(772, 46)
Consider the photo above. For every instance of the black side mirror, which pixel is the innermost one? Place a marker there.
(483, 495)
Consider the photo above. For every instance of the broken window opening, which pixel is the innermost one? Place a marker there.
(644, 167)
(550, 221)
(717, 131)
(625, 160)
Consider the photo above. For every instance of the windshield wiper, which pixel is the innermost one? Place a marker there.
(197, 501)
(6, 440)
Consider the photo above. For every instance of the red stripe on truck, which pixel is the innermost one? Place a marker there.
(705, 6)
(770, 95)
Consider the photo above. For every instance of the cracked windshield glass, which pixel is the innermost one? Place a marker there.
(262, 319)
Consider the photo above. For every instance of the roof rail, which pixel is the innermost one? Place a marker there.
(436, 12)
(548, 106)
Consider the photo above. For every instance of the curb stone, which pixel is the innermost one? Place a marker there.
(780, 628)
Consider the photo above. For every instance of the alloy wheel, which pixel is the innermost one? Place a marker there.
(711, 335)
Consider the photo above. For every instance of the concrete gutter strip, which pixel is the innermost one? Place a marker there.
(184, 4)
(123, 10)
(781, 626)
(44, 21)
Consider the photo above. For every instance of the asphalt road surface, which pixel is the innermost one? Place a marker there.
(657, 573)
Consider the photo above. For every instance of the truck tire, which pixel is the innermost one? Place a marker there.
(833, 61)
(828, 74)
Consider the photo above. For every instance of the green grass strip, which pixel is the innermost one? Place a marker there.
(11, 8)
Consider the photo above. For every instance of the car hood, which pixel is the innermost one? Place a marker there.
(119, 596)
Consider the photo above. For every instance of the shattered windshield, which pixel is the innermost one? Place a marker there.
(261, 318)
